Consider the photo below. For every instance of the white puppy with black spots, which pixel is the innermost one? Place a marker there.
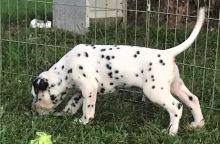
(99, 69)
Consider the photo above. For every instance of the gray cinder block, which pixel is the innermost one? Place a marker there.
(70, 15)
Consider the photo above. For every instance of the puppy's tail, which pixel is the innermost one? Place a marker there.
(183, 46)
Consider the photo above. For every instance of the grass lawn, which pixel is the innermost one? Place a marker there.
(121, 117)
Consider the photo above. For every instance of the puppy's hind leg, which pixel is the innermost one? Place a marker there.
(164, 98)
(181, 91)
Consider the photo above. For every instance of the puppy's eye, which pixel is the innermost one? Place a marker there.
(34, 98)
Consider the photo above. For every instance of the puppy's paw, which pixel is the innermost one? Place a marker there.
(80, 121)
(197, 124)
(76, 121)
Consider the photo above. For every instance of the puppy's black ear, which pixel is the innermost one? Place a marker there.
(40, 84)
(43, 84)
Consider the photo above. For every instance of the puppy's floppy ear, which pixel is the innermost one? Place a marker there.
(40, 84)
(43, 84)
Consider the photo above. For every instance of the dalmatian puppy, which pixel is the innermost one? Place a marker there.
(99, 69)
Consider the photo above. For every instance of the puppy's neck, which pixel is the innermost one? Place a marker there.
(60, 79)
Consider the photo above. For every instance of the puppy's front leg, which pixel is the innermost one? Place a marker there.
(89, 101)
(74, 104)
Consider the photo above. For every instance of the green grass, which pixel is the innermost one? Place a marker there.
(120, 117)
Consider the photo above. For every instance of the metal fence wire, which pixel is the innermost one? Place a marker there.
(27, 51)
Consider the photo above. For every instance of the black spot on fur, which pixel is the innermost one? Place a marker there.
(117, 48)
(84, 75)
(158, 55)
(152, 76)
(122, 76)
(146, 80)
(84, 117)
(96, 80)
(116, 78)
(94, 47)
(86, 54)
(149, 69)
(135, 56)
(150, 64)
(136, 75)
(138, 52)
(81, 67)
(55, 68)
(111, 83)
(66, 77)
(88, 106)
(78, 54)
(102, 50)
(102, 56)
(102, 90)
(176, 115)
(92, 44)
(108, 57)
(108, 66)
(62, 66)
(164, 105)
(73, 104)
(190, 98)
(97, 71)
(142, 71)
(92, 105)
(52, 97)
(173, 103)
(110, 74)
(153, 87)
(161, 88)
(110, 48)
(116, 71)
(179, 105)
(113, 57)
(69, 71)
(162, 62)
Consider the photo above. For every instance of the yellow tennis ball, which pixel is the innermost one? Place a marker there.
(42, 138)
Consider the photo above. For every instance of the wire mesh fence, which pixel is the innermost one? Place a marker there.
(26, 51)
